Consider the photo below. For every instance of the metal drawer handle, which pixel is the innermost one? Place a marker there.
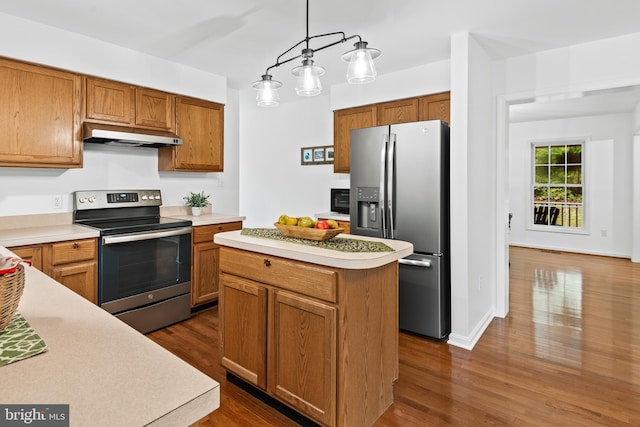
(416, 263)
(76, 245)
(267, 263)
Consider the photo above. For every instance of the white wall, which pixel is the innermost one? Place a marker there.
(423, 80)
(31, 190)
(602, 64)
(473, 279)
(608, 197)
(272, 179)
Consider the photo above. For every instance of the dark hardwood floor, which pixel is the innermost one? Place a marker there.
(568, 354)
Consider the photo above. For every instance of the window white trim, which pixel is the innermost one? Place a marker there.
(531, 226)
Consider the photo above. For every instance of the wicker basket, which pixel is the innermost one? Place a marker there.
(11, 287)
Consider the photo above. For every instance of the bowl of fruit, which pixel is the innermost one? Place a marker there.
(306, 228)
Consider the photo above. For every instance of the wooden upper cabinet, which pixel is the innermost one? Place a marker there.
(121, 103)
(343, 122)
(200, 124)
(155, 109)
(394, 112)
(109, 101)
(435, 107)
(40, 116)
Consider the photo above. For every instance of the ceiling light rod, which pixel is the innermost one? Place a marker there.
(361, 68)
(307, 50)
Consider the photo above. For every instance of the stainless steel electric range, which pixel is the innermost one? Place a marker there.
(144, 260)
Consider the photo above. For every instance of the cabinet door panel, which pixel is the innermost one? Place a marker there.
(154, 109)
(435, 107)
(243, 329)
(80, 278)
(303, 359)
(30, 253)
(110, 101)
(395, 112)
(343, 122)
(200, 124)
(204, 279)
(39, 116)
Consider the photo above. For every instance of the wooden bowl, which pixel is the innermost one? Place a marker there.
(308, 233)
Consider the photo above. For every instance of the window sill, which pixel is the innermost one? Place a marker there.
(558, 229)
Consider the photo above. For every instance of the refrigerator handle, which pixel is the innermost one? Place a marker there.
(383, 190)
(417, 263)
(391, 154)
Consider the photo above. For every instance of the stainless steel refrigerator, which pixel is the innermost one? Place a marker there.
(400, 190)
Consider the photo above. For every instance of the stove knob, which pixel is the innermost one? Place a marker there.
(82, 199)
(144, 197)
(157, 197)
(91, 199)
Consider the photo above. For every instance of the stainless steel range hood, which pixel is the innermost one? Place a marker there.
(127, 136)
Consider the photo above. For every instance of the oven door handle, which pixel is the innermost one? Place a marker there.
(135, 237)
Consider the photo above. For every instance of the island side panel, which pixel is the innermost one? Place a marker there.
(368, 333)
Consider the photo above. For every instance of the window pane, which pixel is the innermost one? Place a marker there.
(574, 174)
(542, 155)
(574, 194)
(557, 155)
(557, 175)
(542, 174)
(574, 154)
(540, 194)
(557, 194)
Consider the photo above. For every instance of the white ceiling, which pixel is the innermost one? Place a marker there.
(239, 39)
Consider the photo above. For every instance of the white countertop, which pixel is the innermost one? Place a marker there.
(109, 373)
(45, 234)
(34, 235)
(328, 257)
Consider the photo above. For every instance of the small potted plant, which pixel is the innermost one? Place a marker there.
(196, 201)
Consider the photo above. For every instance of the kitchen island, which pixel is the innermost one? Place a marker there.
(108, 373)
(312, 327)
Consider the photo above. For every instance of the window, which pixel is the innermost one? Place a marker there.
(558, 184)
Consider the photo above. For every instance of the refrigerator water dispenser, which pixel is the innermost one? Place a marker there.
(368, 204)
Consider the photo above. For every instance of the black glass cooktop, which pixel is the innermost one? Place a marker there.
(134, 225)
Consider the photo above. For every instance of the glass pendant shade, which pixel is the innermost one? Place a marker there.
(361, 69)
(267, 95)
(308, 82)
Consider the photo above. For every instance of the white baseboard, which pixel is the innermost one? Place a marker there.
(468, 342)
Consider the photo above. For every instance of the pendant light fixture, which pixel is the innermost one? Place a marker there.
(360, 70)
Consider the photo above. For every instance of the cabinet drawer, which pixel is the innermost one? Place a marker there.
(204, 233)
(307, 279)
(73, 251)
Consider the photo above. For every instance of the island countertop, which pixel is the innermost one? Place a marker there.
(317, 255)
(108, 373)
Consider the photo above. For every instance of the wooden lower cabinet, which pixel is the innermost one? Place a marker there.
(80, 277)
(205, 261)
(302, 371)
(31, 253)
(73, 263)
(321, 340)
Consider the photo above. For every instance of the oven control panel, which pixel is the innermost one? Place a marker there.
(101, 199)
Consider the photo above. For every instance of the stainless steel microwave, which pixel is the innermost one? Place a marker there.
(340, 200)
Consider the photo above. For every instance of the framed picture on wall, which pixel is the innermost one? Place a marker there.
(306, 156)
(320, 155)
(328, 154)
